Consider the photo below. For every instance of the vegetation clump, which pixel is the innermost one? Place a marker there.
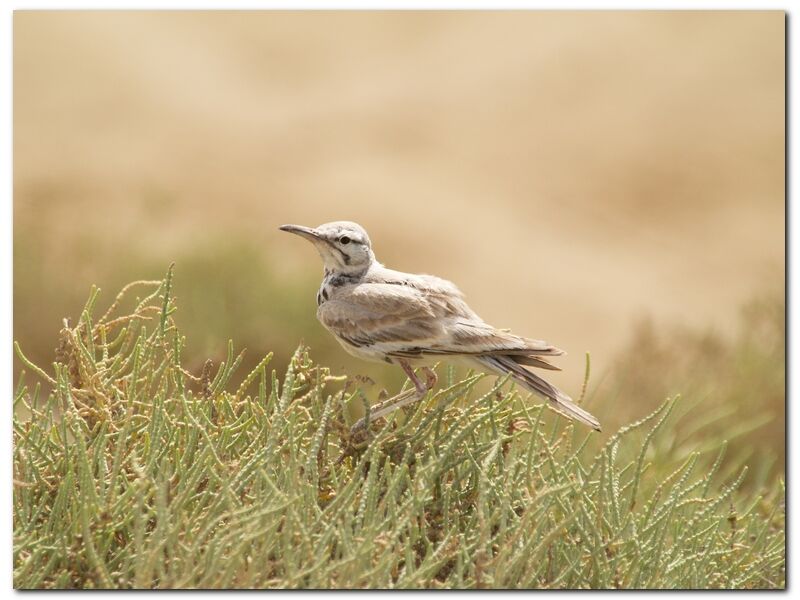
(131, 472)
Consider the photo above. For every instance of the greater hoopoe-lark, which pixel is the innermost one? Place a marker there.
(388, 316)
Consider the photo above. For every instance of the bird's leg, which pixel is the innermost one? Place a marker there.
(402, 399)
(421, 389)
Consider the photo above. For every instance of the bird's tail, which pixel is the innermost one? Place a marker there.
(559, 401)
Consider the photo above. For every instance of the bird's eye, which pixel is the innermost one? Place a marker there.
(344, 240)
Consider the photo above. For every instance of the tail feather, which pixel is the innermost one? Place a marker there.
(559, 401)
(533, 361)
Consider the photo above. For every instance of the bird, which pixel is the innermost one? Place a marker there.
(379, 314)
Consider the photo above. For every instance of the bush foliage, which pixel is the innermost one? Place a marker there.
(132, 472)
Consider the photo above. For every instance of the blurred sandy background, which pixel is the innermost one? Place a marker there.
(574, 173)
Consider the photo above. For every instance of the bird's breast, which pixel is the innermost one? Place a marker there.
(332, 283)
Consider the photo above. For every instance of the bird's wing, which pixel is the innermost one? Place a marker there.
(372, 314)
(476, 338)
(413, 321)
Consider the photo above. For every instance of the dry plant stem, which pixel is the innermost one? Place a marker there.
(401, 400)
(386, 407)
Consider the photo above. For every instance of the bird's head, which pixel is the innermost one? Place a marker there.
(343, 245)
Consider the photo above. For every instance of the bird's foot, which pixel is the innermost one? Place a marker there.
(430, 378)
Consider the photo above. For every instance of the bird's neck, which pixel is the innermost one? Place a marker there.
(339, 278)
(333, 270)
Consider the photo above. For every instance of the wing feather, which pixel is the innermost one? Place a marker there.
(373, 313)
(414, 321)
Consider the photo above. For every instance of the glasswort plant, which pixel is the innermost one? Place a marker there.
(131, 472)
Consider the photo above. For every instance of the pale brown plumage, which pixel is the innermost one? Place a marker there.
(380, 314)
(412, 320)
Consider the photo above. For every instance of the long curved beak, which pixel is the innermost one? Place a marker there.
(307, 232)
